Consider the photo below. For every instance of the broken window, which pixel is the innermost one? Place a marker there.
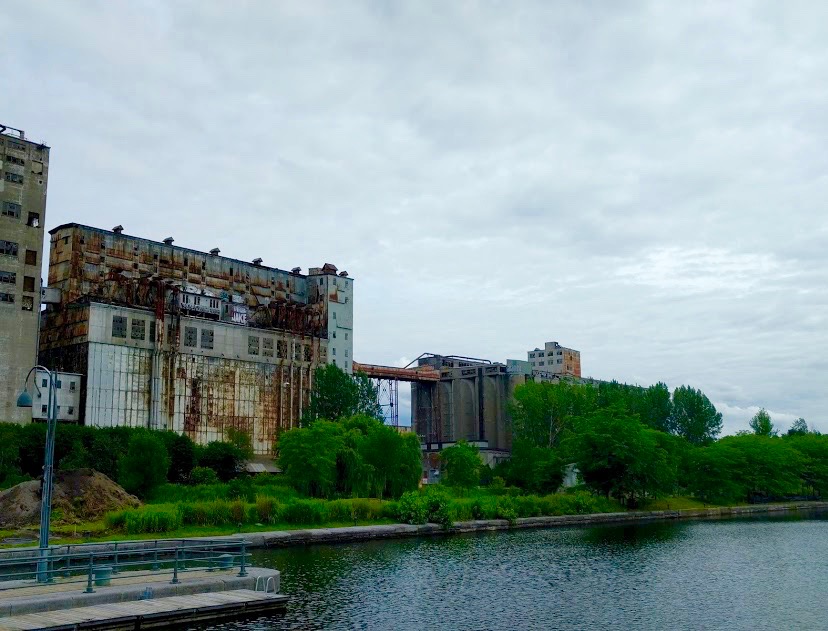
(281, 349)
(207, 338)
(267, 347)
(297, 351)
(71, 410)
(152, 331)
(72, 385)
(15, 160)
(6, 297)
(190, 336)
(8, 277)
(34, 220)
(253, 344)
(119, 326)
(307, 353)
(31, 257)
(17, 146)
(8, 247)
(28, 283)
(139, 329)
(14, 177)
(11, 209)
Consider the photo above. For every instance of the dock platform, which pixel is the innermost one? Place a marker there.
(151, 614)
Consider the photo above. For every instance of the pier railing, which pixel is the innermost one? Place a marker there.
(100, 564)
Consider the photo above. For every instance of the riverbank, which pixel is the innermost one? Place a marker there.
(350, 534)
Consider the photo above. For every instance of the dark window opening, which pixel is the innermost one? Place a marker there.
(28, 283)
(31, 257)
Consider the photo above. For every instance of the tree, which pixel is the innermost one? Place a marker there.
(241, 440)
(542, 412)
(694, 417)
(814, 472)
(798, 427)
(223, 458)
(461, 464)
(535, 469)
(616, 455)
(335, 394)
(655, 407)
(395, 460)
(308, 455)
(768, 468)
(145, 464)
(182, 452)
(761, 424)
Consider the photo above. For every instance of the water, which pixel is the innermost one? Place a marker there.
(769, 573)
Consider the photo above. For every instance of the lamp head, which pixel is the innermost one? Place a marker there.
(25, 399)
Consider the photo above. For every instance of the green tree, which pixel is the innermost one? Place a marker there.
(655, 407)
(335, 394)
(535, 469)
(769, 468)
(761, 424)
(542, 412)
(241, 440)
(694, 417)
(798, 427)
(145, 464)
(714, 474)
(814, 472)
(223, 458)
(461, 465)
(308, 455)
(394, 459)
(616, 455)
(183, 457)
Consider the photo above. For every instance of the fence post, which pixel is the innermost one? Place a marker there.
(175, 569)
(242, 571)
(115, 564)
(89, 589)
(50, 567)
(68, 565)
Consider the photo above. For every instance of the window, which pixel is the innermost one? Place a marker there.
(7, 247)
(297, 351)
(71, 410)
(253, 344)
(307, 353)
(8, 277)
(11, 209)
(119, 326)
(34, 220)
(28, 283)
(531, 355)
(560, 361)
(43, 409)
(190, 336)
(333, 351)
(333, 335)
(540, 363)
(346, 352)
(14, 177)
(37, 167)
(214, 303)
(27, 304)
(267, 347)
(45, 383)
(152, 331)
(560, 352)
(31, 257)
(58, 384)
(334, 362)
(139, 329)
(334, 314)
(281, 349)
(207, 338)
(17, 146)
(346, 336)
(72, 385)
(15, 160)
(9, 298)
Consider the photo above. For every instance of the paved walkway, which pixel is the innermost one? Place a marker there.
(158, 613)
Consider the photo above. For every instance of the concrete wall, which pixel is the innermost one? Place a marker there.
(19, 203)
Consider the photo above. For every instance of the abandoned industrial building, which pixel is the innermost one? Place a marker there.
(172, 338)
(25, 175)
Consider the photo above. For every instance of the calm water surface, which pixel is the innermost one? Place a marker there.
(746, 574)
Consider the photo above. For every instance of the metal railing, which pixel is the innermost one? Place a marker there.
(100, 564)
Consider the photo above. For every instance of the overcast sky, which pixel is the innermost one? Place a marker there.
(645, 182)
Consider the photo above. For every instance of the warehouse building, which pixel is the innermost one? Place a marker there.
(167, 337)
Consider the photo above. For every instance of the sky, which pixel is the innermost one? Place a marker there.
(642, 181)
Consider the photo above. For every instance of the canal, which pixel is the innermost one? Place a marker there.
(768, 573)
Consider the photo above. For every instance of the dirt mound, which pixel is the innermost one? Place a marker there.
(79, 495)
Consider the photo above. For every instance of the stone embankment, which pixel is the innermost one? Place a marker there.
(285, 538)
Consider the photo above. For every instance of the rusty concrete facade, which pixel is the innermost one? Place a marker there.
(172, 338)
(24, 175)
(555, 360)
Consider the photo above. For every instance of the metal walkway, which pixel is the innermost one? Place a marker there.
(151, 614)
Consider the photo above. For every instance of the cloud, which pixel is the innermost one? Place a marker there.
(645, 184)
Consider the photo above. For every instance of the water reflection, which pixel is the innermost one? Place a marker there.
(754, 574)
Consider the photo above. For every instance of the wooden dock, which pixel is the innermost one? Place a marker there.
(157, 613)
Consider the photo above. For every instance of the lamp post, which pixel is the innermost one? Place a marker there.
(25, 401)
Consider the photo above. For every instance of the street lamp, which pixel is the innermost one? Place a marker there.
(25, 401)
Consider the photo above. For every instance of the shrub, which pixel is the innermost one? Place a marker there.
(223, 458)
(145, 464)
(241, 488)
(461, 463)
(506, 509)
(182, 452)
(203, 475)
(265, 510)
(497, 486)
(238, 512)
(412, 508)
(305, 512)
(145, 520)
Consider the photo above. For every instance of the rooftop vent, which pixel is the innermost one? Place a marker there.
(118, 229)
(257, 261)
(169, 240)
(215, 251)
(296, 270)
(343, 273)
